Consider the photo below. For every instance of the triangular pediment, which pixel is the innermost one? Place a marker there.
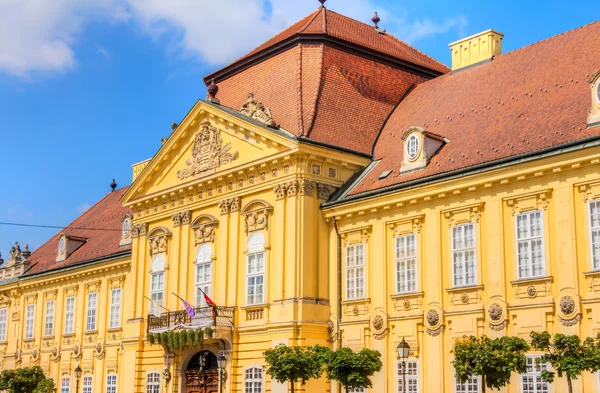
(210, 142)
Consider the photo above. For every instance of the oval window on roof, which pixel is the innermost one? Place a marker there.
(412, 147)
(61, 245)
(598, 92)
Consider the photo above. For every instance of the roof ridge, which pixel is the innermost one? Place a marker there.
(550, 38)
(316, 13)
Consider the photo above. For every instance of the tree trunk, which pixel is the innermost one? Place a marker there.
(483, 384)
(292, 386)
(569, 384)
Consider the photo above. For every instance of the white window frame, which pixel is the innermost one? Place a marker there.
(405, 256)
(157, 285)
(532, 372)
(70, 315)
(412, 147)
(126, 228)
(203, 275)
(88, 384)
(49, 319)
(356, 271)
(65, 384)
(92, 312)
(250, 383)
(463, 251)
(153, 386)
(474, 382)
(529, 240)
(3, 324)
(29, 321)
(111, 383)
(594, 248)
(116, 295)
(412, 376)
(255, 279)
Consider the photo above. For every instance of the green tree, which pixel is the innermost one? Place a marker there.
(295, 363)
(493, 359)
(353, 370)
(26, 380)
(567, 355)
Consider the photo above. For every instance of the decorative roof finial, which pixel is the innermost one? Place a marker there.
(322, 2)
(376, 20)
(213, 89)
(113, 185)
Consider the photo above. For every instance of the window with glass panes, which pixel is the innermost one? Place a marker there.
(531, 381)
(70, 315)
(595, 233)
(203, 273)
(157, 287)
(90, 324)
(253, 380)
(408, 379)
(355, 272)
(65, 385)
(153, 382)
(29, 320)
(115, 308)
(87, 384)
(530, 245)
(470, 386)
(255, 272)
(49, 321)
(111, 383)
(464, 262)
(406, 263)
(3, 323)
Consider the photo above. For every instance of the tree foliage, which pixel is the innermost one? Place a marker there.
(26, 380)
(493, 359)
(567, 355)
(353, 370)
(295, 363)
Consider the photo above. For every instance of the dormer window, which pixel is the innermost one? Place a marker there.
(598, 93)
(126, 230)
(412, 147)
(61, 245)
(67, 244)
(594, 114)
(419, 146)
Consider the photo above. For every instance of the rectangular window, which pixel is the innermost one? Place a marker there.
(256, 277)
(90, 324)
(157, 287)
(87, 384)
(355, 272)
(29, 321)
(65, 385)
(406, 264)
(464, 264)
(595, 233)
(111, 383)
(115, 308)
(530, 245)
(531, 381)
(253, 380)
(70, 315)
(49, 322)
(470, 386)
(3, 323)
(203, 281)
(408, 382)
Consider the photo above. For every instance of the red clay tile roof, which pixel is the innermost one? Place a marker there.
(326, 22)
(106, 214)
(526, 100)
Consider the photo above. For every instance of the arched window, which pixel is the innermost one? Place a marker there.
(253, 380)
(126, 228)
(157, 284)
(153, 382)
(203, 273)
(255, 269)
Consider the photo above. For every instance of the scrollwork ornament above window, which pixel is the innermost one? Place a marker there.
(159, 240)
(203, 228)
(256, 216)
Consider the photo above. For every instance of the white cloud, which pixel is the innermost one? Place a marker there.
(83, 208)
(103, 52)
(40, 37)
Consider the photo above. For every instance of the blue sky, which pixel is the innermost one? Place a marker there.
(89, 87)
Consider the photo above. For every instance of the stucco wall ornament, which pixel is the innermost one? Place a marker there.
(256, 216)
(406, 304)
(76, 351)
(434, 321)
(464, 298)
(18, 355)
(99, 350)
(499, 327)
(531, 291)
(567, 305)
(204, 234)
(208, 152)
(433, 318)
(332, 328)
(256, 110)
(324, 191)
(379, 325)
(569, 322)
(495, 312)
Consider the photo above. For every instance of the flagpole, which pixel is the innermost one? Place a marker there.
(159, 305)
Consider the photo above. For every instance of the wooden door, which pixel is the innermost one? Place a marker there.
(202, 381)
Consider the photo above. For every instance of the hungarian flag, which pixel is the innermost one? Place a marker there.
(207, 299)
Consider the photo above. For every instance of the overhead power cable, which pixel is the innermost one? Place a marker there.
(16, 224)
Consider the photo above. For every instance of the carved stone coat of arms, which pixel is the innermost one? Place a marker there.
(208, 152)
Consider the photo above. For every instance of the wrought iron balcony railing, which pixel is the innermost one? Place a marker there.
(215, 316)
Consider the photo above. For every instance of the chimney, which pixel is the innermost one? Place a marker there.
(476, 49)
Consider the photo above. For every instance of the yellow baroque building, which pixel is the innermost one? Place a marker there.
(336, 187)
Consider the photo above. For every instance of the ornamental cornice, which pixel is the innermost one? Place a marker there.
(61, 277)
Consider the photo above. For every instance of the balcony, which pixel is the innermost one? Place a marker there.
(204, 316)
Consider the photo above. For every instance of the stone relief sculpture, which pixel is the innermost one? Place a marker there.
(256, 110)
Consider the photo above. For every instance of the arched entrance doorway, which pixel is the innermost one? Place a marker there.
(202, 374)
